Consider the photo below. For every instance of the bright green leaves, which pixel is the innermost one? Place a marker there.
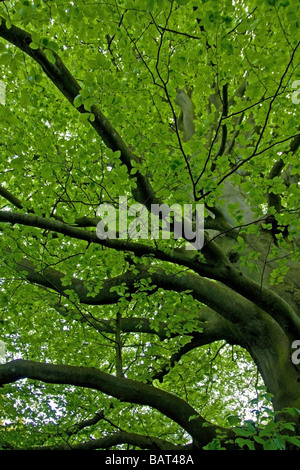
(275, 435)
(182, 2)
(87, 95)
(78, 101)
(86, 103)
(33, 45)
(227, 46)
(44, 43)
(6, 58)
(128, 59)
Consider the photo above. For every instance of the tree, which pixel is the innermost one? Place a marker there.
(128, 342)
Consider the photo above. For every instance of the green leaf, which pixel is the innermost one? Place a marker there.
(245, 442)
(233, 420)
(50, 56)
(78, 101)
(5, 58)
(33, 45)
(294, 440)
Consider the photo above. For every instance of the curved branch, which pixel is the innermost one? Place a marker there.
(198, 340)
(75, 428)
(124, 389)
(62, 78)
(224, 272)
(10, 197)
(139, 249)
(244, 317)
(212, 326)
(214, 295)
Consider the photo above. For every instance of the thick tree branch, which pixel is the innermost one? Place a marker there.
(139, 249)
(209, 335)
(212, 326)
(267, 300)
(62, 78)
(225, 273)
(10, 197)
(124, 389)
(218, 297)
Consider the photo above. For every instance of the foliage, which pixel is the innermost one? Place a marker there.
(140, 343)
(267, 433)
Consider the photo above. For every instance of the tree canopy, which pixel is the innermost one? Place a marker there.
(134, 342)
